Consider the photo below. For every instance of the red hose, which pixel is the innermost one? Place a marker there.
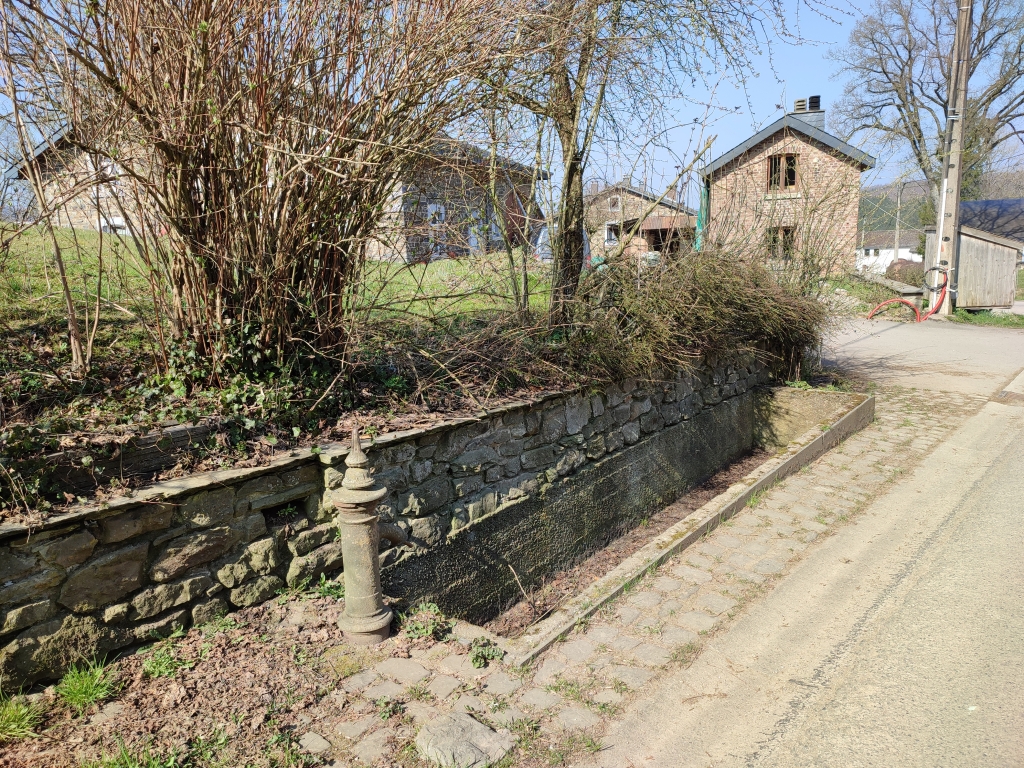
(917, 313)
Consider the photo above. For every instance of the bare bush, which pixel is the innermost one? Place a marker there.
(256, 145)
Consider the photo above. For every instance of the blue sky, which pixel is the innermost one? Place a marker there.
(799, 71)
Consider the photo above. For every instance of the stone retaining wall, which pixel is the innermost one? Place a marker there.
(528, 488)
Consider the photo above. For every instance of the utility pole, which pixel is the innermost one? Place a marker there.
(896, 242)
(947, 229)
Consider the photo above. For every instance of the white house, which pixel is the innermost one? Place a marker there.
(877, 249)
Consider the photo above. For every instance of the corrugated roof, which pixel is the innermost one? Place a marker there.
(793, 123)
(1000, 217)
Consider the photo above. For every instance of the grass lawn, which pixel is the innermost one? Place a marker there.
(1019, 295)
(986, 317)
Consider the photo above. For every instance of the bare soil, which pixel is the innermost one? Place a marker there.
(561, 586)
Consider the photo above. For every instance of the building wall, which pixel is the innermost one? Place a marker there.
(877, 260)
(444, 212)
(598, 215)
(822, 210)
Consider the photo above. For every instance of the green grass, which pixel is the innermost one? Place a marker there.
(18, 719)
(82, 686)
(989, 318)
(127, 758)
(1019, 294)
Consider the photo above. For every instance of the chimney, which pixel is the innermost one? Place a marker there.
(809, 111)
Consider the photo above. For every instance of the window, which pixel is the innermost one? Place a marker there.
(780, 242)
(782, 176)
(613, 203)
(611, 233)
(435, 220)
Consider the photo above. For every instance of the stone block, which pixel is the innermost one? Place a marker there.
(191, 550)
(614, 440)
(532, 421)
(596, 447)
(309, 540)
(209, 508)
(209, 610)
(371, 749)
(39, 652)
(259, 558)
(578, 718)
(26, 615)
(475, 461)
(155, 600)
(165, 626)
(115, 614)
(577, 413)
(631, 432)
(250, 527)
(456, 740)
(494, 474)
(14, 565)
(420, 470)
(570, 461)
(105, 579)
(651, 422)
(68, 550)
(322, 560)
(538, 698)
(428, 531)
(444, 686)
(638, 407)
(393, 478)
(553, 425)
(404, 671)
(539, 457)
(670, 413)
(466, 486)
(34, 587)
(620, 414)
(255, 592)
(155, 517)
(300, 476)
(512, 467)
(426, 498)
(314, 743)
(596, 405)
(268, 485)
(613, 395)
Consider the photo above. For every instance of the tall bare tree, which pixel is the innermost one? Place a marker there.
(897, 62)
(593, 64)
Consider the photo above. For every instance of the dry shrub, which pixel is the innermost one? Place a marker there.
(905, 271)
(634, 321)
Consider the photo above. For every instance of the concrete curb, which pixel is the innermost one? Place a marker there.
(800, 452)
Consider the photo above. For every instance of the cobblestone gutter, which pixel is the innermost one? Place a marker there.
(488, 502)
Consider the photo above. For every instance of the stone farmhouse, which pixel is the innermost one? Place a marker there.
(792, 187)
(648, 222)
(446, 206)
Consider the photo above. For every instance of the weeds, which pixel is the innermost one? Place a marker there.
(685, 654)
(332, 588)
(419, 692)
(426, 621)
(388, 708)
(162, 661)
(223, 623)
(482, 651)
(126, 758)
(83, 686)
(18, 718)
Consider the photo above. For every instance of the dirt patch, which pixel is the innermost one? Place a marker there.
(561, 586)
(241, 691)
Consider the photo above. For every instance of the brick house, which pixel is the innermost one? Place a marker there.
(661, 225)
(792, 187)
(443, 208)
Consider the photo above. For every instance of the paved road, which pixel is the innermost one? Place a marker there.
(934, 355)
(898, 639)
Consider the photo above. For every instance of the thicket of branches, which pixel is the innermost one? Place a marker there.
(258, 153)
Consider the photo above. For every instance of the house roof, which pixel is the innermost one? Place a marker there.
(58, 138)
(796, 124)
(628, 188)
(999, 217)
(884, 238)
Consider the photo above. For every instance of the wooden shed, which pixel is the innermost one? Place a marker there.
(988, 268)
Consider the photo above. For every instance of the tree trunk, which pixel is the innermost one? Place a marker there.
(568, 246)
